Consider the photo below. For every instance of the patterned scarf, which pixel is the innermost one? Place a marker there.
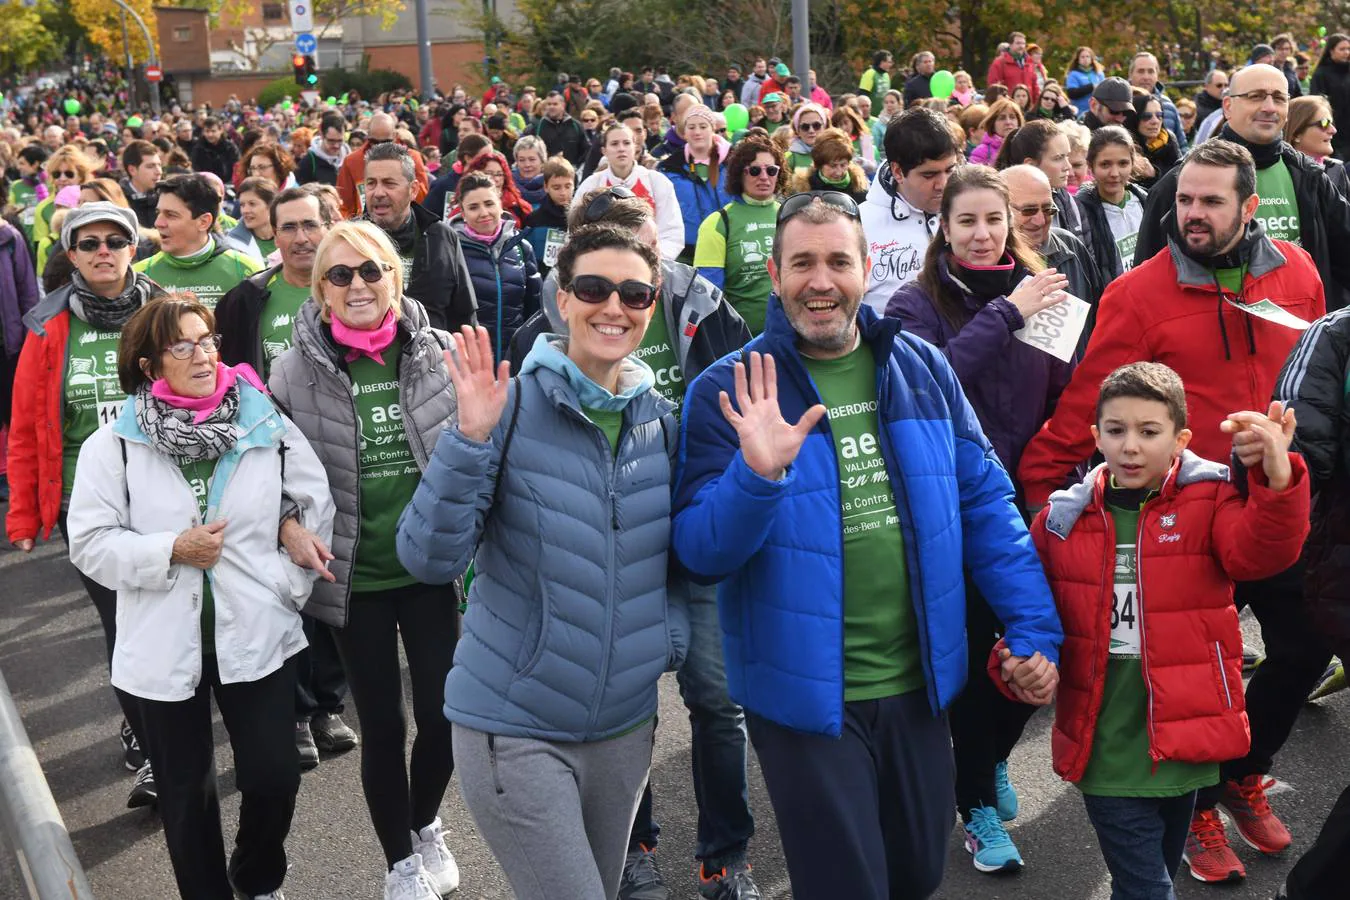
(173, 432)
(110, 313)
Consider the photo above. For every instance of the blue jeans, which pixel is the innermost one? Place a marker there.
(1141, 839)
(719, 742)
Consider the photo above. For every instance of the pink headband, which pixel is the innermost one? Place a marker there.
(699, 111)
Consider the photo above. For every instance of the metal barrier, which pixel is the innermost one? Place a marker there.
(32, 823)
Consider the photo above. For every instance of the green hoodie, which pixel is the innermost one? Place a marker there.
(208, 274)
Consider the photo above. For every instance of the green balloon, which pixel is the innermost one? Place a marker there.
(1321, 31)
(331, 101)
(343, 100)
(737, 117)
(942, 84)
(72, 106)
(285, 104)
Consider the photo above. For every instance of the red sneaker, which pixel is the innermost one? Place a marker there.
(1207, 853)
(1259, 828)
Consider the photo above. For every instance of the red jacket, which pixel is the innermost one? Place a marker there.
(1196, 538)
(1005, 70)
(1167, 310)
(35, 433)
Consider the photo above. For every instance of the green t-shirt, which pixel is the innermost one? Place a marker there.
(881, 642)
(743, 255)
(198, 474)
(24, 196)
(1278, 211)
(876, 83)
(658, 351)
(93, 395)
(278, 318)
(389, 473)
(1120, 765)
(207, 275)
(265, 246)
(610, 421)
(1231, 279)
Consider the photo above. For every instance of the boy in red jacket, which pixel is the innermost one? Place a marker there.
(1141, 557)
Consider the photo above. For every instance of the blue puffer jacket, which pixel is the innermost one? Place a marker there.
(698, 199)
(777, 546)
(569, 623)
(505, 281)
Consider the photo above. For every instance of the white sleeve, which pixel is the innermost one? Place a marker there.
(669, 219)
(306, 483)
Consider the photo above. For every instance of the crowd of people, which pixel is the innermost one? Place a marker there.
(882, 419)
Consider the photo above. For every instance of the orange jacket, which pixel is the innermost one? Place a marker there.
(1168, 310)
(35, 433)
(353, 173)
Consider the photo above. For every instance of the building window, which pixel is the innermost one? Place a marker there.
(273, 12)
(182, 35)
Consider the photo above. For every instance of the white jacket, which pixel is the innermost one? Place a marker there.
(669, 220)
(897, 239)
(126, 512)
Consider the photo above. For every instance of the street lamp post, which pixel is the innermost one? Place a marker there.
(154, 57)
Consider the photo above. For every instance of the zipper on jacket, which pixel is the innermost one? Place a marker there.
(1227, 694)
(1108, 566)
(1143, 630)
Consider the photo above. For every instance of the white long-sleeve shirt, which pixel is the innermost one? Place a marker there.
(656, 189)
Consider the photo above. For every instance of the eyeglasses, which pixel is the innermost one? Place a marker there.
(114, 242)
(756, 171)
(309, 226)
(1026, 212)
(1149, 116)
(375, 142)
(188, 349)
(810, 126)
(598, 289)
(596, 209)
(798, 202)
(341, 276)
(65, 174)
(260, 168)
(1280, 97)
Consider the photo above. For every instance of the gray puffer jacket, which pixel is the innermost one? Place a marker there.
(569, 623)
(311, 385)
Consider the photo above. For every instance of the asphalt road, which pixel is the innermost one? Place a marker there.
(51, 652)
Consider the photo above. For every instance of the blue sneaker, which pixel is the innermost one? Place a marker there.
(988, 842)
(1007, 794)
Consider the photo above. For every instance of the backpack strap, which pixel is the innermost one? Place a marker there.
(506, 445)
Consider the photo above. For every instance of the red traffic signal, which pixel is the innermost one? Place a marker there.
(298, 66)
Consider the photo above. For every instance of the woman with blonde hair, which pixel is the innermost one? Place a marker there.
(1004, 117)
(67, 166)
(365, 381)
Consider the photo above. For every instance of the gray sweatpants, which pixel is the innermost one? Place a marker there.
(555, 815)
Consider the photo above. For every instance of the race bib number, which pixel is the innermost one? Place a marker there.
(108, 411)
(1124, 621)
(1271, 312)
(1055, 330)
(1125, 246)
(28, 216)
(407, 264)
(553, 245)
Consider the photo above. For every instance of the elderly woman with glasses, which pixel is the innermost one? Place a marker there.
(175, 506)
(366, 382)
(557, 487)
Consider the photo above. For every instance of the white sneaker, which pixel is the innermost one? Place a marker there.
(436, 857)
(409, 881)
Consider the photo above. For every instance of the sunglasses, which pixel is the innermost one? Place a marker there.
(187, 349)
(341, 276)
(114, 242)
(756, 171)
(65, 174)
(798, 202)
(810, 126)
(1149, 116)
(375, 142)
(1323, 124)
(1027, 212)
(597, 289)
(596, 209)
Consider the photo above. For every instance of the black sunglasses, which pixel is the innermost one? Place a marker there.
(115, 242)
(756, 170)
(810, 126)
(341, 276)
(65, 174)
(798, 202)
(597, 289)
(596, 209)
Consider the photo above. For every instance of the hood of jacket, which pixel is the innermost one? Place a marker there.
(550, 352)
(885, 193)
(1068, 505)
(316, 147)
(1263, 257)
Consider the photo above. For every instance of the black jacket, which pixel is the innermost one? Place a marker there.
(1069, 256)
(314, 168)
(917, 87)
(1205, 105)
(237, 317)
(566, 137)
(440, 276)
(1100, 240)
(145, 206)
(1163, 159)
(1332, 80)
(1070, 217)
(218, 158)
(1324, 221)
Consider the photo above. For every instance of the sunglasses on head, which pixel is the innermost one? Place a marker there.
(757, 170)
(798, 202)
(341, 276)
(114, 242)
(597, 289)
(596, 209)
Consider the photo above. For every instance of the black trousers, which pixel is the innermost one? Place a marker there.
(260, 720)
(8, 365)
(320, 682)
(401, 796)
(1320, 872)
(985, 724)
(1296, 656)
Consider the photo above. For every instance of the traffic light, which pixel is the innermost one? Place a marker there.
(298, 66)
(306, 72)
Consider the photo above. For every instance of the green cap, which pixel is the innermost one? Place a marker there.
(134, 122)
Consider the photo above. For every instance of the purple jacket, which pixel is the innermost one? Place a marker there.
(18, 288)
(987, 151)
(1011, 385)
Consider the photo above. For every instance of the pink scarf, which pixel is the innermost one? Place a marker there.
(488, 239)
(366, 342)
(204, 406)
(719, 144)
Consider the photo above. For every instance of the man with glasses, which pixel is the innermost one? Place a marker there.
(843, 659)
(351, 180)
(1034, 216)
(327, 152)
(1110, 101)
(1209, 98)
(1299, 204)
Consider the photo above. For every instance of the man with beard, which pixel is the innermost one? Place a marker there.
(1219, 262)
(434, 270)
(1298, 202)
(842, 659)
